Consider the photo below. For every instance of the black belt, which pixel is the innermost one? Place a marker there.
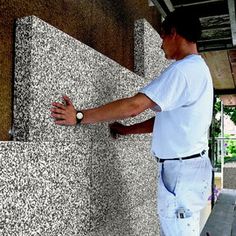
(182, 158)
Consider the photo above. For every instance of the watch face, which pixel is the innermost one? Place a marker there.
(79, 115)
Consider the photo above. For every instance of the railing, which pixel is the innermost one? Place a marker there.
(221, 153)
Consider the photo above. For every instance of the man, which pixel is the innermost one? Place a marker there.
(182, 96)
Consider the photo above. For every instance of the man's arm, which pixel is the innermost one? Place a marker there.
(116, 110)
(139, 128)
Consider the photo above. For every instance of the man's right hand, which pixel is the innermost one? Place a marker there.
(117, 129)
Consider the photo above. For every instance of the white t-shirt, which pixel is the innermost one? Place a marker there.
(184, 92)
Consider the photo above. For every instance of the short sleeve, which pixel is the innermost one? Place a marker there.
(169, 90)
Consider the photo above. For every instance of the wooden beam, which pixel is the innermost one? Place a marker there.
(229, 100)
(214, 44)
(214, 40)
(164, 6)
(224, 91)
(150, 3)
(160, 8)
(232, 55)
(220, 68)
(218, 33)
(232, 59)
(213, 47)
(197, 3)
(169, 5)
(205, 10)
(218, 21)
(232, 15)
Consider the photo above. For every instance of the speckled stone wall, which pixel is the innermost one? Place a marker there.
(105, 25)
(123, 188)
(229, 175)
(120, 176)
(150, 59)
(44, 189)
(50, 63)
(61, 189)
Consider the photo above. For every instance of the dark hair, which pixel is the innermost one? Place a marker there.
(186, 24)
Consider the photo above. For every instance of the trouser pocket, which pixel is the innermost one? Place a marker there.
(166, 196)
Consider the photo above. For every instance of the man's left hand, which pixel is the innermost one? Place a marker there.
(64, 114)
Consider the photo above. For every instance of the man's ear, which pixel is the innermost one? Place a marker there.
(173, 32)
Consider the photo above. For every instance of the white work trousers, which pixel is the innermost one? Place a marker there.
(184, 187)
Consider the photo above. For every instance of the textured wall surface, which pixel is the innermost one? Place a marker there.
(149, 57)
(105, 25)
(44, 189)
(48, 64)
(229, 175)
(117, 177)
(59, 189)
(123, 188)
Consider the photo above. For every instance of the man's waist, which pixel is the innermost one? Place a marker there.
(161, 160)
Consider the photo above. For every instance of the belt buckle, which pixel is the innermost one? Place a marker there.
(203, 153)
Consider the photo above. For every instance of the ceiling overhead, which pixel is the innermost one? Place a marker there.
(221, 70)
(218, 41)
(217, 17)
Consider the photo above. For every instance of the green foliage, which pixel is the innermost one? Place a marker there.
(216, 123)
(230, 144)
(218, 105)
(230, 151)
(216, 128)
(230, 147)
(230, 111)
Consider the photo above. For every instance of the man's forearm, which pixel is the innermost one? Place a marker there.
(141, 128)
(117, 110)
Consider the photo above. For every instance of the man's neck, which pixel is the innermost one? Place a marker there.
(184, 49)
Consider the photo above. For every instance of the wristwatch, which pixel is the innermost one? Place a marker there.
(79, 117)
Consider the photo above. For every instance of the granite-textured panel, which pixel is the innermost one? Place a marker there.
(149, 57)
(44, 189)
(60, 188)
(229, 175)
(139, 222)
(50, 63)
(122, 176)
(122, 179)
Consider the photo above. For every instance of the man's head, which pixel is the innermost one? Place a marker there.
(182, 25)
(186, 24)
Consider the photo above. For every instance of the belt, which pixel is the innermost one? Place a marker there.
(182, 158)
